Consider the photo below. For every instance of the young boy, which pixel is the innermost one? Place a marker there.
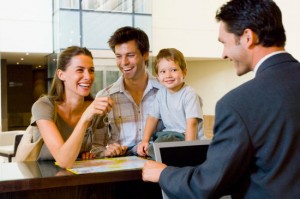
(176, 104)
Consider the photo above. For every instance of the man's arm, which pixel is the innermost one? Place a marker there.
(229, 151)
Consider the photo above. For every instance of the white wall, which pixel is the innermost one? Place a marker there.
(290, 15)
(191, 27)
(26, 26)
(187, 25)
(212, 79)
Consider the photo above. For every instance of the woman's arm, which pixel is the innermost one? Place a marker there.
(65, 153)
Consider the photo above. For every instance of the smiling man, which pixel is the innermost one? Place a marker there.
(255, 152)
(132, 94)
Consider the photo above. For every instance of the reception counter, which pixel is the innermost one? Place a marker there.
(46, 180)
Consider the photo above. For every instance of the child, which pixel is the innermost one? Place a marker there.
(176, 104)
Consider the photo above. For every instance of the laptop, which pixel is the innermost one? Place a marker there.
(181, 153)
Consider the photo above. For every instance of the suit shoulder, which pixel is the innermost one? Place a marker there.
(240, 93)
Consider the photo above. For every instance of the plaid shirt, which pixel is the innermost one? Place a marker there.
(126, 119)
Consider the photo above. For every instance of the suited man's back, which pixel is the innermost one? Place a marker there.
(269, 106)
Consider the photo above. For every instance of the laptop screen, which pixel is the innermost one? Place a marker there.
(182, 153)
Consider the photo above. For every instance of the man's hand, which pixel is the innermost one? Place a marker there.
(115, 149)
(152, 170)
(88, 156)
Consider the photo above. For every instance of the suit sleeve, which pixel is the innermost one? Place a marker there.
(229, 151)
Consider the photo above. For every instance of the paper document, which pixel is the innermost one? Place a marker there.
(107, 164)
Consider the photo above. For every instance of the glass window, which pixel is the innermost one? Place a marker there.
(95, 23)
(98, 82)
(55, 5)
(144, 22)
(126, 6)
(111, 77)
(90, 4)
(51, 63)
(69, 29)
(108, 5)
(98, 27)
(69, 4)
(51, 68)
(56, 32)
(104, 78)
(143, 6)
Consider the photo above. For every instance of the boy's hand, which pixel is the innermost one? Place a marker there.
(142, 149)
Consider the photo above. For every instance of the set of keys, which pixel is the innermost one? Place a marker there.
(106, 121)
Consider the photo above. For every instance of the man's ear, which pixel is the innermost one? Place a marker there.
(146, 56)
(250, 38)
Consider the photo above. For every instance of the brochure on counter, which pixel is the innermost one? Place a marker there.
(107, 164)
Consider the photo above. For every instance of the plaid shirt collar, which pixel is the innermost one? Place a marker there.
(118, 86)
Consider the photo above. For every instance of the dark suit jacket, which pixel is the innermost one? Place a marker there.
(255, 152)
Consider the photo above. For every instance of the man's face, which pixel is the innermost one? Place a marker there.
(130, 60)
(236, 50)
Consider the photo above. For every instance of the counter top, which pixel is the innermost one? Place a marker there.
(45, 174)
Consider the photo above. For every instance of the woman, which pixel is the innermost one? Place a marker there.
(65, 117)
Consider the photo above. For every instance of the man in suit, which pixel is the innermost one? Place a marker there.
(255, 152)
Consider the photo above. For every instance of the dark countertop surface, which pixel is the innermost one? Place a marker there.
(45, 174)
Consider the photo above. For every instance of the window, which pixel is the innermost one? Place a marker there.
(90, 23)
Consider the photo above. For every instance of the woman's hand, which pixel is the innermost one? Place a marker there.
(100, 106)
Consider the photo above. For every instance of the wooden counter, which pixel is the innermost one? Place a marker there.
(46, 180)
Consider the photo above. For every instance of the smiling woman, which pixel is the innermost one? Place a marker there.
(64, 118)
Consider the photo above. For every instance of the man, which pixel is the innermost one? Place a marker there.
(132, 94)
(255, 152)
